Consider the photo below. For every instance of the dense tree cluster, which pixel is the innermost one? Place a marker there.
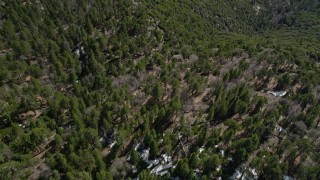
(87, 85)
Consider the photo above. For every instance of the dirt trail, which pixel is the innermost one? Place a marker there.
(199, 98)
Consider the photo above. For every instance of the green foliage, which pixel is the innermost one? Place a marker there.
(183, 171)
(77, 75)
(134, 157)
(211, 165)
(153, 149)
(145, 175)
(194, 161)
(269, 166)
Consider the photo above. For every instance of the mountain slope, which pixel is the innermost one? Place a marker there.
(159, 89)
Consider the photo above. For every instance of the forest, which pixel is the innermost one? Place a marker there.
(159, 89)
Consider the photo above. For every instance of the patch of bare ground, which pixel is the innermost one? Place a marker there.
(227, 64)
(120, 167)
(267, 146)
(30, 114)
(106, 151)
(40, 170)
(40, 150)
(296, 88)
(199, 98)
(271, 99)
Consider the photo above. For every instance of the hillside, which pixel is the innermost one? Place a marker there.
(159, 89)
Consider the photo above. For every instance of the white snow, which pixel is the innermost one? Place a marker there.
(222, 153)
(77, 52)
(158, 166)
(166, 158)
(236, 175)
(285, 177)
(279, 128)
(244, 173)
(112, 144)
(198, 171)
(145, 154)
(253, 172)
(137, 146)
(218, 168)
(152, 163)
(277, 93)
(201, 150)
